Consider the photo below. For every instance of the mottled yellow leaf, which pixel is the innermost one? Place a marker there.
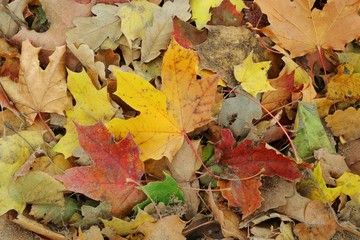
(345, 123)
(183, 104)
(253, 76)
(123, 227)
(92, 106)
(350, 185)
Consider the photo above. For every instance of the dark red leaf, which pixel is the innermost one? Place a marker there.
(226, 14)
(186, 34)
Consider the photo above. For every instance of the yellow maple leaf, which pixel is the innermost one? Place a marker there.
(345, 85)
(183, 104)
(39, 90)
(92, 106)
(345, 123)
(253, 76)
(201, 9)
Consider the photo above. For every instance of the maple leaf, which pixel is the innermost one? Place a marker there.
(345, 123)
(105, 180)
(39, 90)
(183, 104)
(186, 34)
(92, 105)
(60, 14)
(244, 162)
(253, 76)
(297, 27)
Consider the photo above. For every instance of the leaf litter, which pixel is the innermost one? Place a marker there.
(152, 119)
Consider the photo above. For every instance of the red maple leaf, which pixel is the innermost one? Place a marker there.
(114, 162)
(242, 164)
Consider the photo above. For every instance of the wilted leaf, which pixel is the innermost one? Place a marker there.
(92, 215)
(310, 133)
(183, 104)
(315, 28)
(226, 14)
(345, 123)
(113, 163)
(39, 90)
(124, 228)
(93, 31)
(253, 76)
(92, 105)
(248, 160)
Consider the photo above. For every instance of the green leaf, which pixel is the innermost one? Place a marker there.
(166, 191)
(310, 133)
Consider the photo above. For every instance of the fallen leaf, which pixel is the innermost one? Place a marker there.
(323, 106)
(183, 104)
(310, 133)
(351, 151)
(136, 17)
(92, 105)
(345, 123)
(186, 34)
(351, 58)
(39, 90)
(245, 164)
(169, 227)
(8, 26)
(124, 228)
(158, 35)
(238, 113)
(94, 30)
(226, 47)
(92, 215)
(345, 85)
(201, 10)
(253, 76)
(61, 15)
(105, 180)
(228, 220)
(226, 14)
(314, 29)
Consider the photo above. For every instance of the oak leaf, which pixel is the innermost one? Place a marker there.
(60, 14)
(105, 180)
(300, 28)
(39, 90)
(183, 104)
(92, 105)
(245, 162)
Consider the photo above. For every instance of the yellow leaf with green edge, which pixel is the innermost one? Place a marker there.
(350, 185)
(124, 228)
(351, 58)
(136, 17)
(6, 178)
(183, 104)
(201, 10)
(345, 85)
(253, 76)
(19, 145)
(92, 106)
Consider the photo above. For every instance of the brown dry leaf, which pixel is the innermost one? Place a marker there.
(60, 14)
(183, 168)
(319, 222)
(307, 29)
(345, 123)
(228, 219)
(345, 85)
(39, 90)
(166, 228)
(332, 165)
(351, 151)
(295, 207)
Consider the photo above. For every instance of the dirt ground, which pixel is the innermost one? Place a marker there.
(11, 231)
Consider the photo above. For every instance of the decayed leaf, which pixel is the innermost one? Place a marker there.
(310, 133)
(228, 220)
(201, 9)
(183, 104)
(166, 228)
(113, 163)
(124, 228)
(226, 14)
(297, 27)
(39, 90)
(92, 215)
(136, 17)
(345, 123)
(60, 14)
(248, 160)
(253, 76)
(345, 85)
(92, 105)
(93, 31)
(158, 36)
